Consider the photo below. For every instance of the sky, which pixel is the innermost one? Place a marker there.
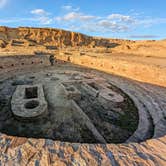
(128, 19)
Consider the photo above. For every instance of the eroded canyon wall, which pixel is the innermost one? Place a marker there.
(49, 36)
(57, 38)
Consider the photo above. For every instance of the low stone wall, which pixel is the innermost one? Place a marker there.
(8, 63)
(137, 71)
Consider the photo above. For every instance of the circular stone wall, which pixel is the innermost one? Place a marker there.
(80, 108)
(142, 113)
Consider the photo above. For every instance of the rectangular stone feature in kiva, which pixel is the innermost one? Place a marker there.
(28, 102)
(71, 92)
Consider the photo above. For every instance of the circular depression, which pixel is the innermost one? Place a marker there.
(88, 122)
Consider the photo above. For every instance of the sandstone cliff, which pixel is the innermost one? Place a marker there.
(48, 36)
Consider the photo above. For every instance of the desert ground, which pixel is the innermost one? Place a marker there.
(102, 103)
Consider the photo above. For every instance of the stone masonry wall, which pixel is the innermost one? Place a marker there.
(137, 71)
(13, 62)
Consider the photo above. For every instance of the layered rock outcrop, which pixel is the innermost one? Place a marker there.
(56, 38)
(49, 36)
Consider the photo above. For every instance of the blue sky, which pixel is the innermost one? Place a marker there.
(131, 19)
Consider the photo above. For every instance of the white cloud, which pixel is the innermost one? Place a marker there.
(39, 12)
(116, 23)
(70, 16)
(3, 3)
(110, 23)
(67, 7)
(45, 20)
(70, 8)
(118, 16)
(106, 23)
(74, 16)
(42, 16)
(106, 26)
(121, 18)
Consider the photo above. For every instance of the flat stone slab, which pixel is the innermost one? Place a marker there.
(28, 101)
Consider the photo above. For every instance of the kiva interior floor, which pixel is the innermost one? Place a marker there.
(81, 107)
